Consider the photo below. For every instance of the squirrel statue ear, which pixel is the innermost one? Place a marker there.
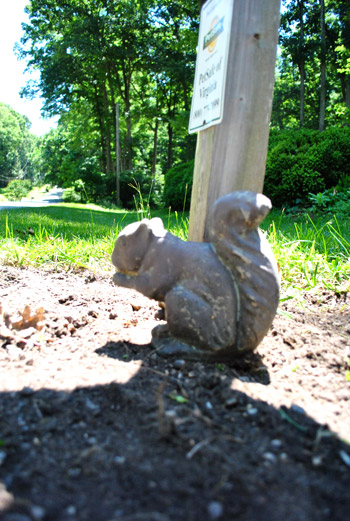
(157, 227)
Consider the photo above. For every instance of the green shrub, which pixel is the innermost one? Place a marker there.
(304, 161)
(178, 186)
(75, 193)
(70, 195)
(17, 189)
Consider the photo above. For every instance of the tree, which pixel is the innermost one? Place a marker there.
(103, 52)
(298, 41)
(323, 67)
(70, 153)
(315, 58)
(17, 147)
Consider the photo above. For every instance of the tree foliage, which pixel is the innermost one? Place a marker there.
(94, 53)
(312, 87)
(17, 147)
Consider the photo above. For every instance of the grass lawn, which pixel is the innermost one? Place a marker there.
(69, 235)
(310, 252)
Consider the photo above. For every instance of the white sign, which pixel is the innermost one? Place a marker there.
(210, 77)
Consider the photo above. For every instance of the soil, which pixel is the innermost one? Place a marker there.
(95, 426)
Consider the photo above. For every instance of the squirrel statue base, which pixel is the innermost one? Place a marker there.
(220, 296)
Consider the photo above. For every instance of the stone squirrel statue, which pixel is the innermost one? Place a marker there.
(221, 295)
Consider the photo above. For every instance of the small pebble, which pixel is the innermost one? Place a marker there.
(215, 510)
(92, 406)
(179, 364)
(297, 408)
(284, 457)
(74, 472)
(208, 405)
(276, 444)
(71, 510)
(317, 461)
(345, 457)
(119, 460)
(252, 411)
(15, 353)
(37, 512)
(230, 402)
(270, 457)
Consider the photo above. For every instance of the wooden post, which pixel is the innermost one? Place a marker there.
(117, 156)
(232, 155)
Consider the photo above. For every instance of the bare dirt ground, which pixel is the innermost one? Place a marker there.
(94, 426)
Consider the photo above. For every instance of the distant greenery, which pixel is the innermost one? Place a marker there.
(140, 54)
(137, 53)
(312, 88)
(178, 186)
(18, 147)
(312, 252)
(17, 189)
(299, 162)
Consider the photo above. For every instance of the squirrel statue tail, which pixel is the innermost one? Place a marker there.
(233, 231)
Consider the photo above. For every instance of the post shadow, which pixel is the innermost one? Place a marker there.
(165, 448)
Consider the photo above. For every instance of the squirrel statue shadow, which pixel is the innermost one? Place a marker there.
(220, 296)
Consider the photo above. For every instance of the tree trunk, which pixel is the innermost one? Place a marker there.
(321, 125)
(170, 146)
(155, 146)
(127, 73)
(128, 148)
(107, 132)
(124, 92)
(302, 93)
(347, 91)
(302, 64)
(101, 128)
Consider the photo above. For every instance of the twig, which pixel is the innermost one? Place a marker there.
(162, 424)
(291, 421)
(199, 446)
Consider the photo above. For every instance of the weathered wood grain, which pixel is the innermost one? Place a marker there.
(232, 155)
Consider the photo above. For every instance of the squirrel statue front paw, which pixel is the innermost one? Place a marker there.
(221, 295)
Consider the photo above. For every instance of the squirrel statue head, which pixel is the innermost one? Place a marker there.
(133, 242)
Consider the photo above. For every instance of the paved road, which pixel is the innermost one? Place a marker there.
(51, 197)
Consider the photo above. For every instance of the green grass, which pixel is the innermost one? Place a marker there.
(311, 253)
(68, 235)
